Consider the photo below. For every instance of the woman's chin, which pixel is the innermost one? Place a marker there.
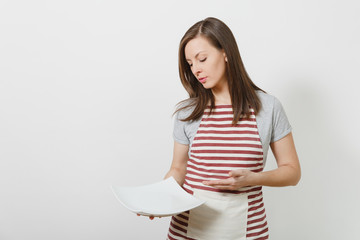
(207, 86)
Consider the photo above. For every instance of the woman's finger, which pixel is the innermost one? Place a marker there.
(227, 181)
(223, 187)
(237, 172)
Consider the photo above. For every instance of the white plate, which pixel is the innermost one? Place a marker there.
(165, 198)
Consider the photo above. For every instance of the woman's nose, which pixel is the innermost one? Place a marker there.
(196, 70)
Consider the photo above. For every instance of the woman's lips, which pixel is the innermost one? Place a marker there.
(202, 80)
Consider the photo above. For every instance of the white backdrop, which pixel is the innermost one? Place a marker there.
(87, 89)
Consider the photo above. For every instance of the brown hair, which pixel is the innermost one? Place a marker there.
(242, 89)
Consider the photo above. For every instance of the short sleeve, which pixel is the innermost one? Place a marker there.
(179, 133)
(281, 126)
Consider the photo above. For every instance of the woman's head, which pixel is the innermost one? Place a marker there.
(215, 38)
(206, 62)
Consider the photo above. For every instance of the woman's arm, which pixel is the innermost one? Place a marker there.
(178, 165)
(288, 171)
(179, 162)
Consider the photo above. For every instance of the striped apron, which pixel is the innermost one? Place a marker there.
(217, 148)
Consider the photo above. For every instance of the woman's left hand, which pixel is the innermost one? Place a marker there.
(238, 178)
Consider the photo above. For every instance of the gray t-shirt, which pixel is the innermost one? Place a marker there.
(271, 121)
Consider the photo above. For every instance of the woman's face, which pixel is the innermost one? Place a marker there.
(207, 63)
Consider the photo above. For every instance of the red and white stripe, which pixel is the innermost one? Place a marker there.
(218, 148)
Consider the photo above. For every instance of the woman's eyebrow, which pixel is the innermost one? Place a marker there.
(196, 55)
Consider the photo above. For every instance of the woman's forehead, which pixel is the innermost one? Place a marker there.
(197, 46)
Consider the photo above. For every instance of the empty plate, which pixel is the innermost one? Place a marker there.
(165, 198)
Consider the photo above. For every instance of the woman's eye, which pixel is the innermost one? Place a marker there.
(202, 60)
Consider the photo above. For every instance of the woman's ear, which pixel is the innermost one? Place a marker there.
(225, 57)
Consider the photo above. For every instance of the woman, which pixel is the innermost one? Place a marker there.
(222, 134)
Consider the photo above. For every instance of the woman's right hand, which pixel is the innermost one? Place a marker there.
(178, 165)
(150, 217)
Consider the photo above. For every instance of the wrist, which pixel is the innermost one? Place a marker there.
(255, 179)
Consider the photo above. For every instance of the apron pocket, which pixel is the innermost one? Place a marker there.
(222, 216)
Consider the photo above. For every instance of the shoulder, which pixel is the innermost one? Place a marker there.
(268, 101)
(270, 106)
(186, 108)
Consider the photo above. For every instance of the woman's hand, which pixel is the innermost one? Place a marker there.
(237, 179)
(150, 217)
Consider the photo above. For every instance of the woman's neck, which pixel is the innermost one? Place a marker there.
(221, 94)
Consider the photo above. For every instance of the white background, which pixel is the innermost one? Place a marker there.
(87, 89)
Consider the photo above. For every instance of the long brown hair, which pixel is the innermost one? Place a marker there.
(242, 89)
